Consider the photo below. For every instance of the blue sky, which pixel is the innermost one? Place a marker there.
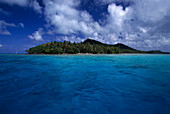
(141, 24)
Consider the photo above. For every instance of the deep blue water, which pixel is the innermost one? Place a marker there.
(84, 84)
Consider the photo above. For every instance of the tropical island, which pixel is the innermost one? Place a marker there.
(88, 46)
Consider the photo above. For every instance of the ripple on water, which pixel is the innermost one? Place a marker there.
(103, 84)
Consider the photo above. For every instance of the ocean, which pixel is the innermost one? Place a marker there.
(84, 84)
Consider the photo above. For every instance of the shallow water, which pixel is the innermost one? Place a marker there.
(84, 84)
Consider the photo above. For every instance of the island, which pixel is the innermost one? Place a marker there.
(88, 46)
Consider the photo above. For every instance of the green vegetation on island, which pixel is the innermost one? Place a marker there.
(88, 46)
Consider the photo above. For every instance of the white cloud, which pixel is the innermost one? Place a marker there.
(141, 25)
(36, 6)
(67, 19)
(72, 38)
(3, 27)
(144, 30)
(150, 28)
(151, 10)
(37, 35)
(1, 45)
(117, 17)
(117, 14)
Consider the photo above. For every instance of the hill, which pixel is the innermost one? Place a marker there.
(88, 46)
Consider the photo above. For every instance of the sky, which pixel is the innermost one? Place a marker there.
(141, 24)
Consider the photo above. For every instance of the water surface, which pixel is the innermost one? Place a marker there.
(84, 84)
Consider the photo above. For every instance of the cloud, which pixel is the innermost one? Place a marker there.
(15, 2)
(151, 22)
(151, 10)
(36, 6)
(66, 19)
(145, 25)
(25, 3)
(4, 12)
(143, 29)
(117, 14)
(117, 17)
(37, 35)
(71, 38)
(21, 25)
(142, 24)
(3, 27)
(138, 23)
(124, 3)
(1, 45)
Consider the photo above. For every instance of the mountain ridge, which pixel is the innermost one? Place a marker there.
(116, 45)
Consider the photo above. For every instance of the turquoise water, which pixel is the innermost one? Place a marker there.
(84, 84)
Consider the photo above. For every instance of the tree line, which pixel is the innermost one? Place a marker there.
(73, 48)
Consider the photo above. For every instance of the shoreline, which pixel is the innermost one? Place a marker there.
(105, 54)
(101, 54)
(88, 54)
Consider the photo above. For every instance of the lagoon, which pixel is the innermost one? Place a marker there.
(85, 84)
